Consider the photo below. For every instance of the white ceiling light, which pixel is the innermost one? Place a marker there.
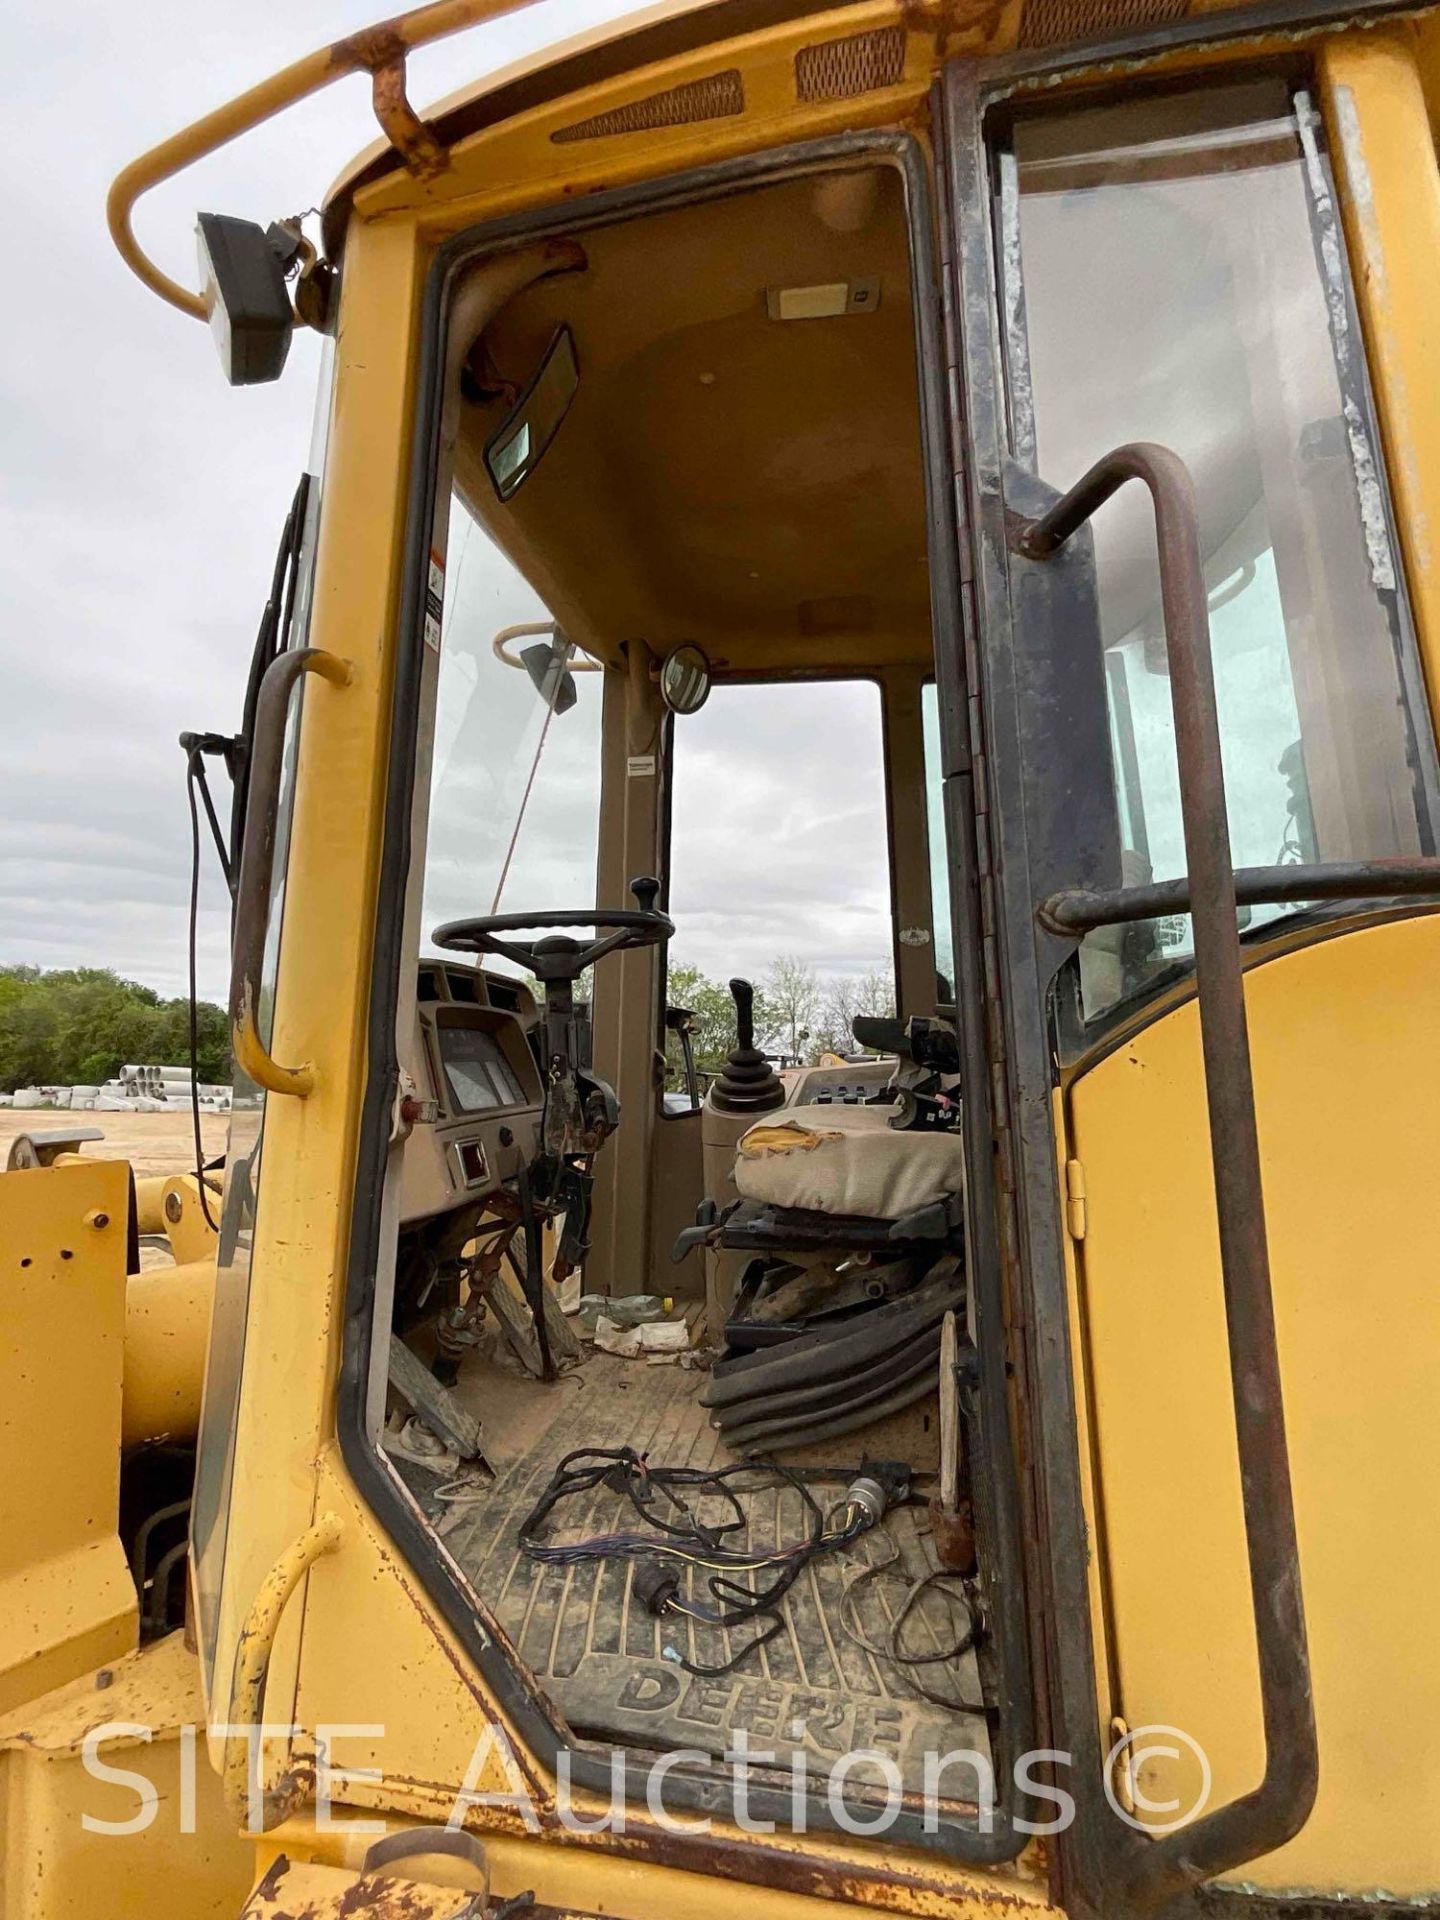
(825, 302)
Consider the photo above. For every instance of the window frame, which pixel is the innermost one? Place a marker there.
(1078, 1040)
(993, 1839)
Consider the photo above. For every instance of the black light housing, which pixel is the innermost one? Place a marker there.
(242, 280)
(546, 664)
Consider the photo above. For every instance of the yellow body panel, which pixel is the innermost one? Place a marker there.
(167, 1330)
(187, 1860)
(66, 1598)
(321, 1001)
(1346, 1042)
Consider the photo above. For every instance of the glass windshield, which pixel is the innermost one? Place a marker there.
(780, 879)
(1182, 283)
(515, 766)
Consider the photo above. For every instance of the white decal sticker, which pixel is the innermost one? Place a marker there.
(434, 603)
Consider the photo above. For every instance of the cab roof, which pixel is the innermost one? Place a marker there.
(654, 33)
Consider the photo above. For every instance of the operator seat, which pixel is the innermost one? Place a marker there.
(848, 1161)
(878, 1177)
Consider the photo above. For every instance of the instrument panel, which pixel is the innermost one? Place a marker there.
(479, 1086)
(478, 1077)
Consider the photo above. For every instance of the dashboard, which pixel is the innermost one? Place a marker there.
(478, 1083)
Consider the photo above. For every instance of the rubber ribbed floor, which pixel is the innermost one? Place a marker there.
(600, 1654)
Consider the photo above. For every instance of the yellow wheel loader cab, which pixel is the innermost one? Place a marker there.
(956, 477)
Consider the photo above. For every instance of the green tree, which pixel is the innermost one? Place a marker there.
(713, 1034)
(82, 1024)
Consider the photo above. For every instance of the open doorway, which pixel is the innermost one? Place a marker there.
(705, 1449)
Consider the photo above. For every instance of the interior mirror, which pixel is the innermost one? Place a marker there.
(515, 449)
(685, 680)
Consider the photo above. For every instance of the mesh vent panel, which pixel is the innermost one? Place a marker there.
(860, 63)
(1049, 23)
(712, 98)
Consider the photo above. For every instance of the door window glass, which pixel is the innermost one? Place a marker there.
(1182, 283)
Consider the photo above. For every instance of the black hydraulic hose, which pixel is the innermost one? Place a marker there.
(534, 1282)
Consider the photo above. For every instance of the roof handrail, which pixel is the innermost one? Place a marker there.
(379, 51)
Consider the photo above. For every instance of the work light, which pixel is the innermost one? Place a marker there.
(242, 280)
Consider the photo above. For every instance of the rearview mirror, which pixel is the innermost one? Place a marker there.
(685, 680)
(516, 448)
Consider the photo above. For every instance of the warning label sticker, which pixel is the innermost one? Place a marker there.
(434, 602)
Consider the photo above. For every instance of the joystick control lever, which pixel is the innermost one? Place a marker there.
(748, 1083)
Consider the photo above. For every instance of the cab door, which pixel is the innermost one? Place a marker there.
(1196, 658)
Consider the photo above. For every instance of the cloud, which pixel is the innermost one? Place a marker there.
(141, 501)
(140, 498)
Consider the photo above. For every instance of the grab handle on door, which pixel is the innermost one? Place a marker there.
(1277, 1808)
(252, 1669)
(257, 861)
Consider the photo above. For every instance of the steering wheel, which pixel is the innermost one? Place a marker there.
(556, 957)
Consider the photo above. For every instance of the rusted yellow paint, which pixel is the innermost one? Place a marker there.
(302, 1890)
(187, 1860)
(252, 1670)
(1347, 1077)
(1384, 157)
(66, 1598)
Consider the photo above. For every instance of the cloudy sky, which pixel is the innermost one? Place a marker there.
(144, 498)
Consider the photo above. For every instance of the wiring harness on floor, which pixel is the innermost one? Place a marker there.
(744, 1585)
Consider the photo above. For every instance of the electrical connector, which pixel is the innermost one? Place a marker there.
(656, 1587)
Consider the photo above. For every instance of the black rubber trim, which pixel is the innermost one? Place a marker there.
(840, 1403)
(541, 1730)
(824, 1393)
(835, 1357)
(813, 1436)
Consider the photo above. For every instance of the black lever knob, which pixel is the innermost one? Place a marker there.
(646, 889)
(743, 994)
(747, 1083)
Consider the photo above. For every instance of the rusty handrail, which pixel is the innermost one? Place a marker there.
(1272, 1812)
(379, 51)
(257, 861)
(1357, 882)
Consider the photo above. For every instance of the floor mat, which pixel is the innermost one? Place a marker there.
(602, 1656)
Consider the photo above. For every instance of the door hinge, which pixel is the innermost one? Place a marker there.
(1076, 1206)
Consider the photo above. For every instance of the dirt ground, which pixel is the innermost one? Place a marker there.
(152, 1142)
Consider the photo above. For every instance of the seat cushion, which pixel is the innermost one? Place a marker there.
(847, 1160)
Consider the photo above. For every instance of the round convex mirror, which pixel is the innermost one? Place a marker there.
(685, 680)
